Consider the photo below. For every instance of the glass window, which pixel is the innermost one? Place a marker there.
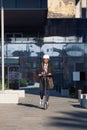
(9, 3)
(25, 3)
(28, 4)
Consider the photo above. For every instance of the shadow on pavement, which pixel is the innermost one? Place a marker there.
(74, 120)
(30, 105)
(77, 106)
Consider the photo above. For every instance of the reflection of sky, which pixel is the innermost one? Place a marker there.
(51, 49)
(59, 46)
(14, 47)
(75, 53)
(85, 48)
(22, 47)
(75, 49)
(81, 46)
(34, 49)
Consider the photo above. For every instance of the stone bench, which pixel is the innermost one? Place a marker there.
(11, 96)
(21, 93)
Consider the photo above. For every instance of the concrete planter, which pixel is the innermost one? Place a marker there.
(11, 96)
(21, 93)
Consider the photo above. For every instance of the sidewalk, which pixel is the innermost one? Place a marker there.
(62, 114)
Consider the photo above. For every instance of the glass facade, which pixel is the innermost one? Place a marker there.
(64, 40)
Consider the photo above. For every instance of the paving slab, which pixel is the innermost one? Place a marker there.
(63, 113)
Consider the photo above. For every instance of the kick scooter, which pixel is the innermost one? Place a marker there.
(45, 105)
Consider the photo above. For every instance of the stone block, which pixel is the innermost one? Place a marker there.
(21, 93)
(9, 98)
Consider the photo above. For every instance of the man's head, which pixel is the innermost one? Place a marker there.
(46, 58)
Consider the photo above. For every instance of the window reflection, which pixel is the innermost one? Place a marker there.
(65, 57)
(75, 49)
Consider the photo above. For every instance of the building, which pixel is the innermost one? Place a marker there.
(30, 33)
(61, 8)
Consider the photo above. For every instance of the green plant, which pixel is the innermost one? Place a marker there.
(23, 82)
(5, 87)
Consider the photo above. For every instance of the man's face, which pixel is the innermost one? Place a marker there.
(46, 60)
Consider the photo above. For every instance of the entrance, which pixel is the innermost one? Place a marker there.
(12, 73)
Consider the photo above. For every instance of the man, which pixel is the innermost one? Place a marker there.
(45, 71)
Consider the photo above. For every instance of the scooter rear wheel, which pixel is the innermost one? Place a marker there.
(45, 106)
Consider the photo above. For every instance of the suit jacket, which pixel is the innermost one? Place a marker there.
(41, 79)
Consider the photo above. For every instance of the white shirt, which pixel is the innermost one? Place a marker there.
(45, 67)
